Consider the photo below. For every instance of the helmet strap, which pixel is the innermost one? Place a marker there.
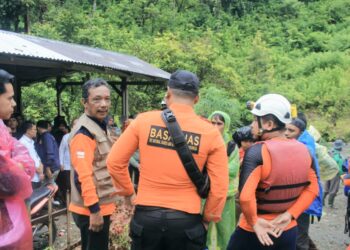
(262, 131)
(272, 130)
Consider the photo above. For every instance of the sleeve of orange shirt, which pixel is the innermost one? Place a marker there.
(217, 166)
(250, 176)
(82, 150)
(119, 157)
(247, 197)
(307, 196)
(346, 179)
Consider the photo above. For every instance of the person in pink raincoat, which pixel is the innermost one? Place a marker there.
(16, 171)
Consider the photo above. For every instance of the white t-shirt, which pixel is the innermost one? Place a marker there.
(64, 153)
(29, 144)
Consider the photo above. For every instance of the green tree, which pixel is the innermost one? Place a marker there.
(212, 99)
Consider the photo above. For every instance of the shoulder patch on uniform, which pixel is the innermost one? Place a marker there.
(160, 137)
(80, 154)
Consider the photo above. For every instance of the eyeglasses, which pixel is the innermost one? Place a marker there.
(217, 123)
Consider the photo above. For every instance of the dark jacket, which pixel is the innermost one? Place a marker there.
(47, 149)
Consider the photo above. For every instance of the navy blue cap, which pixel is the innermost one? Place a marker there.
(338, 144)
(184, 80)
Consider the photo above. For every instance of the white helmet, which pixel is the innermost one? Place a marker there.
(273, 104)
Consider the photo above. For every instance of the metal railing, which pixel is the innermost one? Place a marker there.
(49, 218)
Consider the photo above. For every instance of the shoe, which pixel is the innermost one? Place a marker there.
(312, 245)
(56, 203)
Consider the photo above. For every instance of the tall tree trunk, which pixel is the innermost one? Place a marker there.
(94, 6)
(27, 21)
(16, 24)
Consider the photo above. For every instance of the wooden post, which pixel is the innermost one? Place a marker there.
(18, 96)
(58, 94)
(125, 101)
(68, 220)
(50, 221)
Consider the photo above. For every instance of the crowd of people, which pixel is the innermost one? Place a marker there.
(192, 183)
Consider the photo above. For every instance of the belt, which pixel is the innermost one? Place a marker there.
(161, 212)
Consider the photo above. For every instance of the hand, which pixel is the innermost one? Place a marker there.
(205, 224)
(96, 222)
(20, 165)
(114, 138)
(281, 222)
(129, 200)
(62, 168)
(40, 169)
(41, 176)
(48, 172)
(262, 229)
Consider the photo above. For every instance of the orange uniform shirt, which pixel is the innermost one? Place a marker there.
(163, 179)
(247, 197)
(82, 149)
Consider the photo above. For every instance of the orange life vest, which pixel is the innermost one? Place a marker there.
(290, 165)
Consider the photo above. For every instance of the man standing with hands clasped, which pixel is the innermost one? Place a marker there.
(168, 203)
(93, 193)
(277, 181)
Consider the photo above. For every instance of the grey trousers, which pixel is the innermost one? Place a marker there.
(331, 187)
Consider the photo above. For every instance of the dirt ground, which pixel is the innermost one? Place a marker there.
(119, 230)
(61, 240)
(328, 234)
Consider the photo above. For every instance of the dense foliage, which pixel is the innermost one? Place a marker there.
(240, 49)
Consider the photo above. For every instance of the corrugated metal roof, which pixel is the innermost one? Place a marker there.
(34, 47)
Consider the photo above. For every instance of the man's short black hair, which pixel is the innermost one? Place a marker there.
(302, 117)
(93, 83)
(42, 124)
(5, 78)
(25, 126)
(274, 119)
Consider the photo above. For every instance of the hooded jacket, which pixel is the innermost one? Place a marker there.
(15, 228)
(233, 160)
(316, 207)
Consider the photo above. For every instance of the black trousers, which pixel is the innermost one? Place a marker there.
(36, 185)
(63, 182)
(92, 240)
(244, 240)
(154, 228)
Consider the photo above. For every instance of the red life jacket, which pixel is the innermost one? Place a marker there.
(290, 165)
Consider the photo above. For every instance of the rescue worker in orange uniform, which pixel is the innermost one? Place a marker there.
(92, 190)
(167, 213)
(277, 181)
